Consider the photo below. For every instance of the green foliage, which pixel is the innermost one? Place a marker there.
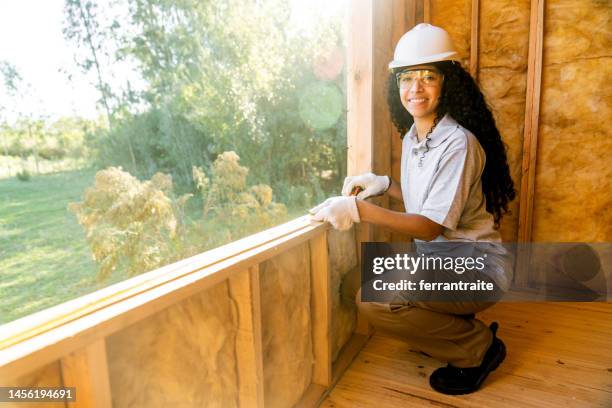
(137, 226)
(130, 223)
(56, 140)
(23, 175)
(227, 201)
(228, 75)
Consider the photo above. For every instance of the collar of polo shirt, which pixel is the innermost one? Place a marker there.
(439, 134)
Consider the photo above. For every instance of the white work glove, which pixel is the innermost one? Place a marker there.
(341, 212)
(371, 184)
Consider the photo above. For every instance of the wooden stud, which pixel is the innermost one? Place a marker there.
(245, 292)
(87, 370)
(412, 17)
(360, 106)
(530, 141)
(359, 88)
(474, 37)
(313, 396)
(321, 310)
(427, 11)
(349, 352)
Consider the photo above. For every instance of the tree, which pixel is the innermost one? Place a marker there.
(30, 119)
(83, 27)
(11, 79)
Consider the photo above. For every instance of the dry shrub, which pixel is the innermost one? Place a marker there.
(238, 209)
(131, 223)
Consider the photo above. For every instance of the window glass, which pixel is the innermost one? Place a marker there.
(135, 133)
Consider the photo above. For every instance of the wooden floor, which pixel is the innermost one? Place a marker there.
(559, 355)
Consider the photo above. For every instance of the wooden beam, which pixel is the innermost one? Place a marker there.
(349, 352)
(87, 370)
(246, 294)
(412, 16)
(530, 141)
(359, 88)
(360, 107)
(313, 396)
(427, 11)
(474, 37)
(321, 304)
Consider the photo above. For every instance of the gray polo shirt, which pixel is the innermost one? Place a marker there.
(443, 183)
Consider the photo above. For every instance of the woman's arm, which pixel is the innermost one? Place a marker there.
(414, 225)
(395, 190)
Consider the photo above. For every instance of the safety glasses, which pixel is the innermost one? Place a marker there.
(427, 77)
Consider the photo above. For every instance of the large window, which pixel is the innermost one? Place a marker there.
(134, 133)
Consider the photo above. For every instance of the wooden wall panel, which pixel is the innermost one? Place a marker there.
(47, 376)
(183, 356)
(503, 43)
(286, 325)
(573, 189)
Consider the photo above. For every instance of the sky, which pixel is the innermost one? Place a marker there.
(31, 39)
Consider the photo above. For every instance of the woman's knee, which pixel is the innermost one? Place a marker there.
(368, 309)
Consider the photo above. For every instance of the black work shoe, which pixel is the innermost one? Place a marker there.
(455, 381)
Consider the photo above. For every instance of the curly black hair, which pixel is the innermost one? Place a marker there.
(461, 98)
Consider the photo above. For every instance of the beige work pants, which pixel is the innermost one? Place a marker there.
(434, 328)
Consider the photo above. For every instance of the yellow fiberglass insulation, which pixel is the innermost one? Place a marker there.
(573, 172)
(342, 262)
(502, 75)
(286, 326)
(183, 356)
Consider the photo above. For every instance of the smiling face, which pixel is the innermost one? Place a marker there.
(420, 88)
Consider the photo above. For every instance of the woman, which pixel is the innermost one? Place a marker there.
(455, 185)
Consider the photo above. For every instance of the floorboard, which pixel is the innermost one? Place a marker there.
(559, 354)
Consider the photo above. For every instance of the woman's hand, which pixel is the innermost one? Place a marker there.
(341, 212)
(371, 184)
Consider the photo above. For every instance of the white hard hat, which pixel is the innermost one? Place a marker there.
(424, 43)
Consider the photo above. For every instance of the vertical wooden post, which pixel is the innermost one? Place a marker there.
(530, 141)
(427, 11)
(373, 30)
(245, 292)
(474, 37)
(359, 88)
(320, 302)
(87, 370)
(360, 108)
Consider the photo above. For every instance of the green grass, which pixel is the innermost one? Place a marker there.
(44, 256)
